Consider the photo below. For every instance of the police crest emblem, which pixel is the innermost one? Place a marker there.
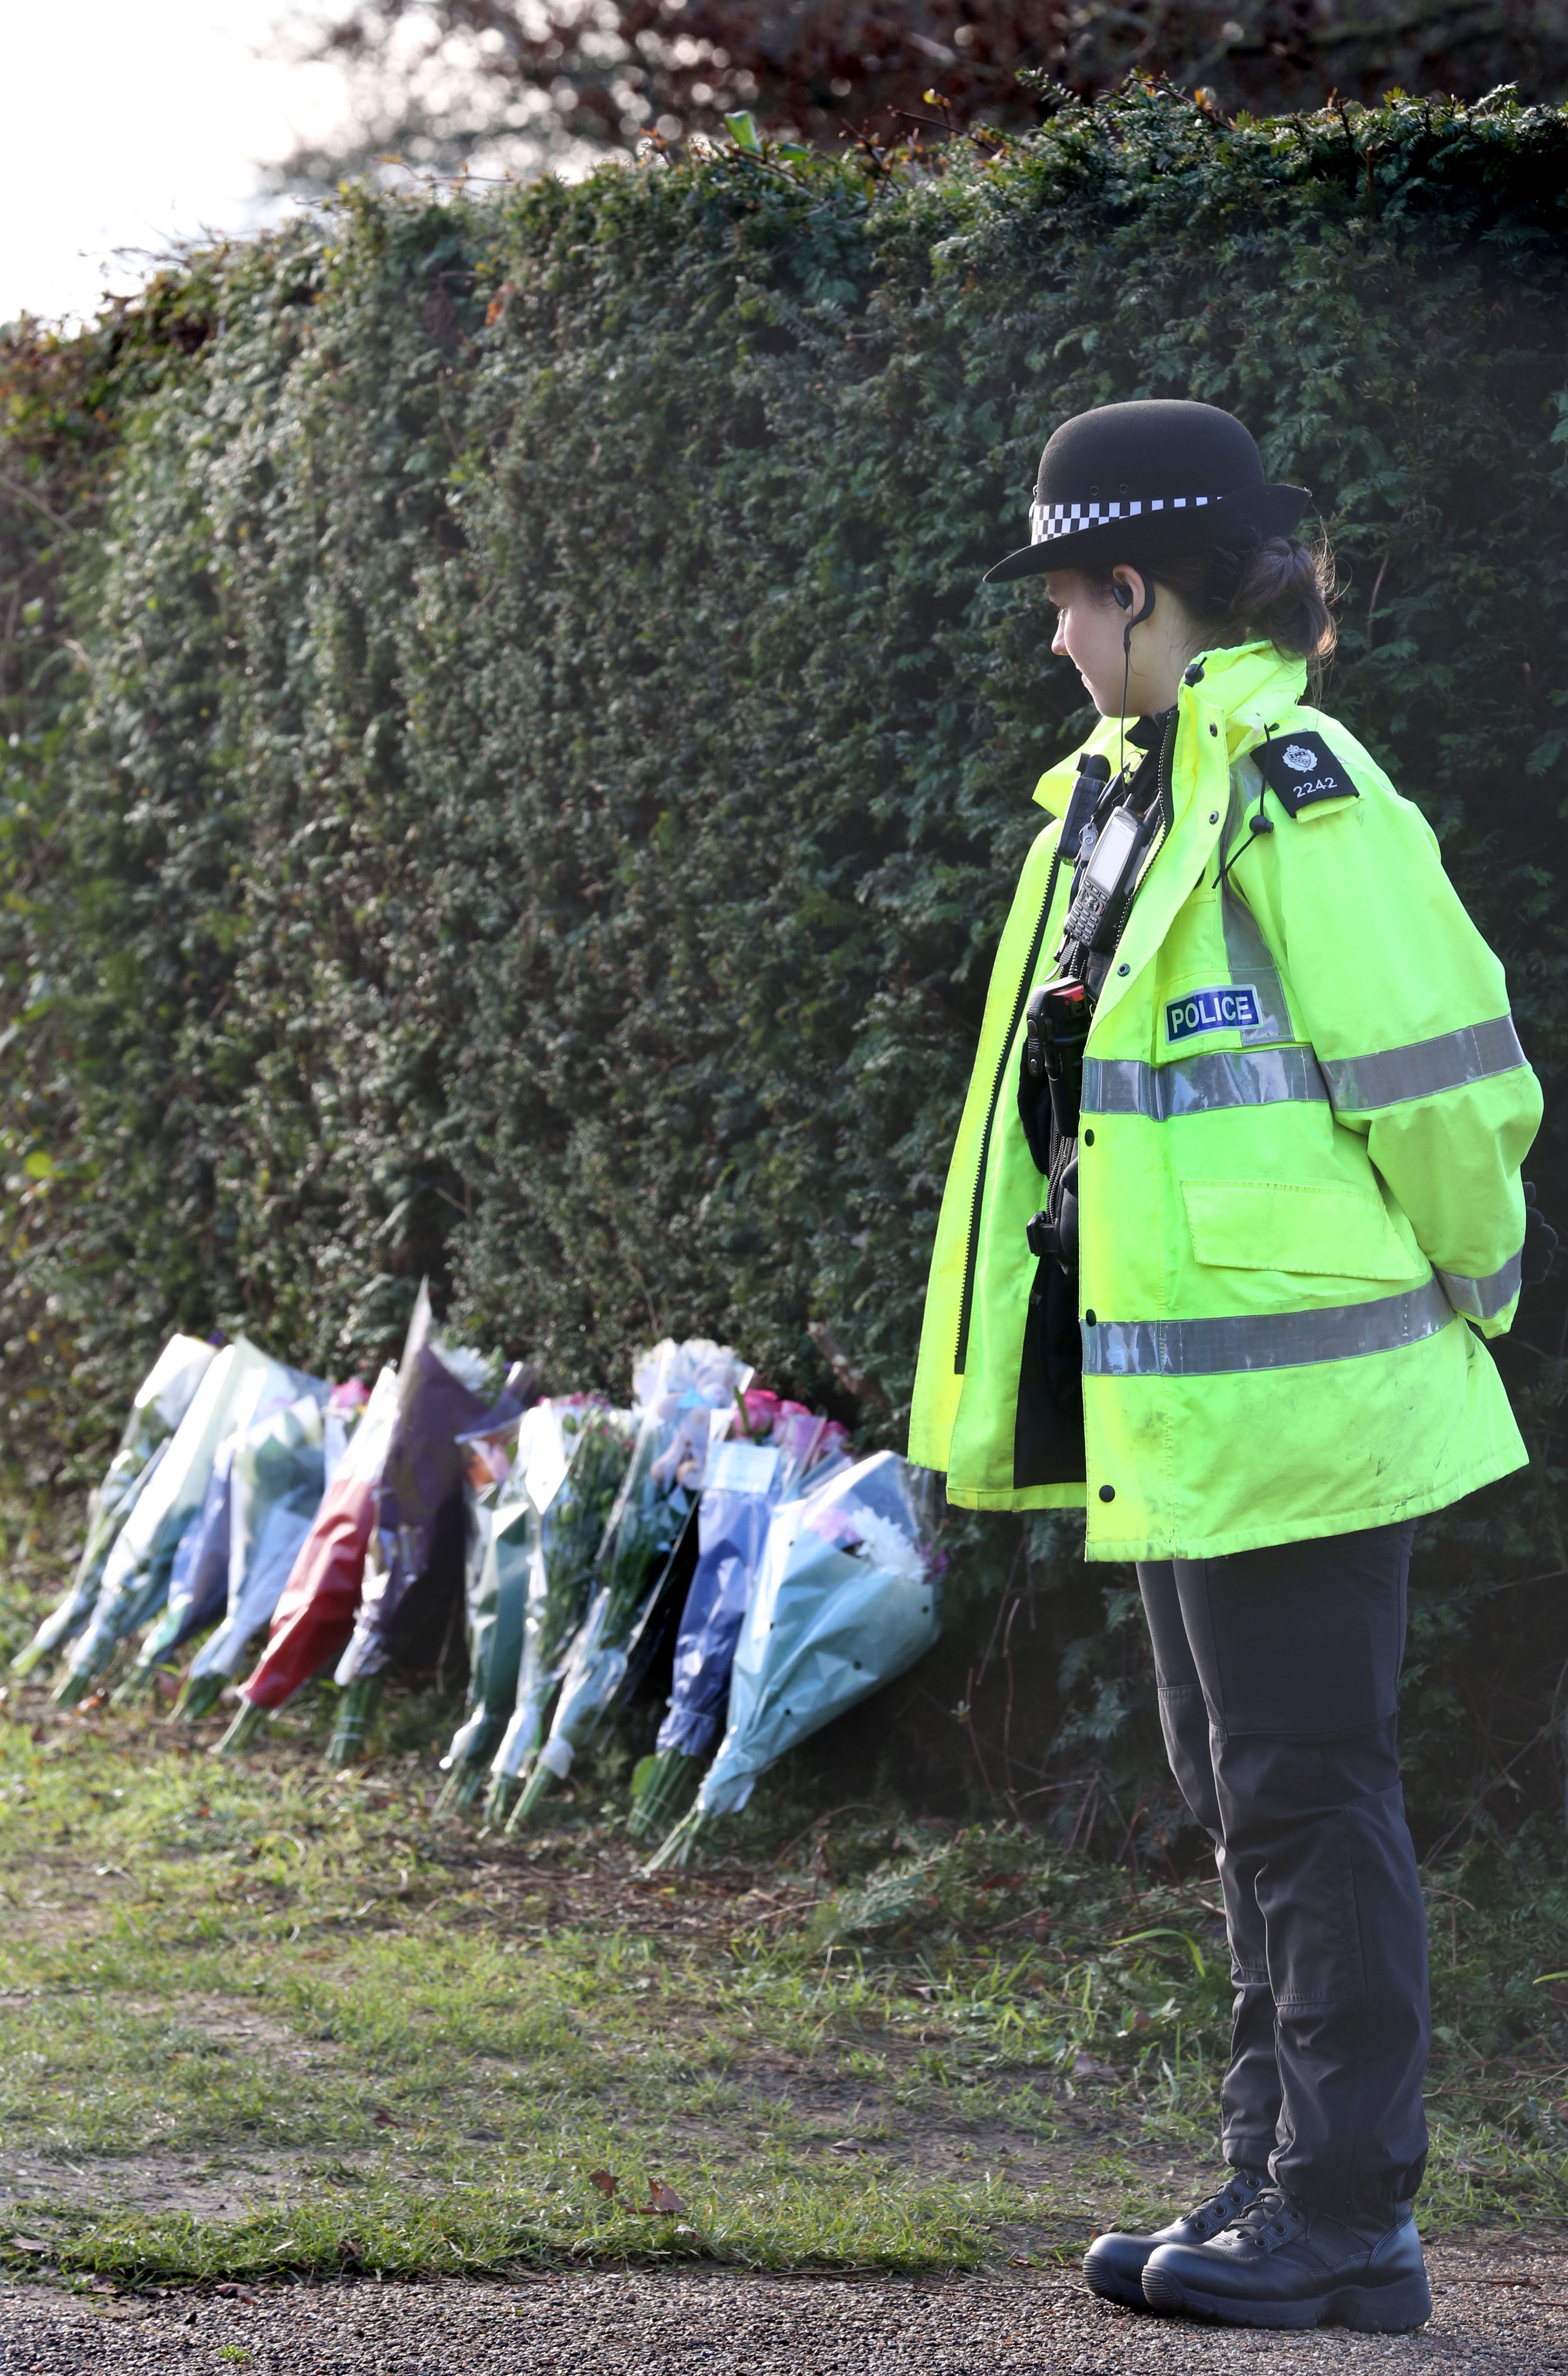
(1302, 770)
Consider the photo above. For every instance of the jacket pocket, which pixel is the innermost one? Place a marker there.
(1278, 1224)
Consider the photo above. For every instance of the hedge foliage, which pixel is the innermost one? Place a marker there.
(512, 775)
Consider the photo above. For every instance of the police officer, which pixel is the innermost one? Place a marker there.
(1234, 1204)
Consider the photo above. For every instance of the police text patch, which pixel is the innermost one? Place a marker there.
(1231, 1007)
(1301, 768)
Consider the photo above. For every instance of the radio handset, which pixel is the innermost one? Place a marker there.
(1103, 897)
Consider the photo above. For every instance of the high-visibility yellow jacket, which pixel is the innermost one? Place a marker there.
(1300, 1211)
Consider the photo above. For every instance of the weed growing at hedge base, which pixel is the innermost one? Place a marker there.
(260, 2019)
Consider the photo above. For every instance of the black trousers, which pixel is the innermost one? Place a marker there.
(1278, 1675)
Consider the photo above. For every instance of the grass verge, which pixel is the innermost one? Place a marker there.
(260, 2019)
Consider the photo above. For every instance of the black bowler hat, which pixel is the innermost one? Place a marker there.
(1136, 482)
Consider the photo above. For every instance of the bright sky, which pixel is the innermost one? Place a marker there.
(128, 123)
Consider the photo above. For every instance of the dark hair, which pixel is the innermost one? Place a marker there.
(1280, 588)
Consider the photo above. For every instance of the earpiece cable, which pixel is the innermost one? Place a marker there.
(1124, 601)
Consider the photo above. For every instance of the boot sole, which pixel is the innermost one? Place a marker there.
(1126, 2291)
(1369, 2310)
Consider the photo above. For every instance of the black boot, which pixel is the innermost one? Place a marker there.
(1285, 2263)
(1114, 2264)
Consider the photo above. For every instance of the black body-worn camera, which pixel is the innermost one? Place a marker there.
(1056, 1024)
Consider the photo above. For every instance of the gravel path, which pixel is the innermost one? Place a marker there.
(1496, 2308)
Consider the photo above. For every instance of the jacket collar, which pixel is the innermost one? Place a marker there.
(1249, 686)
(1250, 683)
(1239, 694)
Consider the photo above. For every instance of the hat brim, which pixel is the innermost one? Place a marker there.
(1154, 536)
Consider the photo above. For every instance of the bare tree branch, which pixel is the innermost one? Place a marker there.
(518, 84)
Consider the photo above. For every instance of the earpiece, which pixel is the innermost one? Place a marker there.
(1124, 602)
(1124, 595)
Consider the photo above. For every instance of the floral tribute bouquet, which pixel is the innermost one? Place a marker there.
(845, 1600)
(279, 1475)
(572, 1453)
(415, 1559)
(786, 1450)
(198, 1579)
(199, 1584)
(161, 1401)
(494, 1588)
(316, 1616)
(684, 1395)
(137, 1572)
(346, 1405)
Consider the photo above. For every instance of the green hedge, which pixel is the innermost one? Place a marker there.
(533, 782)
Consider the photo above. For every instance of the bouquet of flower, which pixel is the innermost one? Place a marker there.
(573, 1453)
(685, 1396)
(198, 1579)
(316, 1616)
(845, 1600)
(414, 1560)
(161, 1401)
(279, 1477)
(785, 1451)
(346, 1405)
(494, 1587)
(199, 1576)
(136, 1573)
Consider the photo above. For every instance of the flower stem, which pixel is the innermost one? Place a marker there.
(678, 1846)
(359, 1702)
(248, 1723)
(539, 1784)
(201, 1693)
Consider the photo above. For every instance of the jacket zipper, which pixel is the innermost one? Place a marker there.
(971, 1257)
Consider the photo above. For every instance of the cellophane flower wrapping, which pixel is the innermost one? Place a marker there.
(161, 1402)
(346, 1405)
(495, 1588)
(198, 1574)
(573, 1454)
(315, 1615)
(784, 1450)
(280, 1472)
(135, 1575)
(685, 1398)
(414, 1557)
(845, 1601)
(200, 1582)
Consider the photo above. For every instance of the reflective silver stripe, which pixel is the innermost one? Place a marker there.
(1265, 1077)
(1362, 1083)
(1263, 1340)
(1483, 1299)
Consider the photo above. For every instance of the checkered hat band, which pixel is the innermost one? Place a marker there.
(1047, 520)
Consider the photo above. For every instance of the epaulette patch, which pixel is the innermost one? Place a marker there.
(1302, 769)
